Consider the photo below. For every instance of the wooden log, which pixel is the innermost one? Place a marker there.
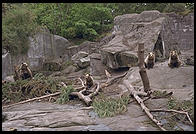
(95, 92)
(86, 99)
(33, 99)
(140, 101)
(142, 70)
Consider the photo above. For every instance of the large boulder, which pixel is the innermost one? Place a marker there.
(116, 54)
(44, 47)
(131, 30)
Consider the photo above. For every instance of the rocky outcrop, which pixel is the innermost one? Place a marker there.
(132, 29)
(159, 32)
(48, 116)
(42, 47)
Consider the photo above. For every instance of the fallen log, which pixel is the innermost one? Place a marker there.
(33, 99)
(140, 101)
(87, 99)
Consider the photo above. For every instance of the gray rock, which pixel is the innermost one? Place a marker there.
(81, 59)
(97, 68)
(83, 62)
(79, 55)
(69, 69)
(190, 61)
(46, 116)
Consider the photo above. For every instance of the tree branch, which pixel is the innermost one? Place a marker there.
(172, 110)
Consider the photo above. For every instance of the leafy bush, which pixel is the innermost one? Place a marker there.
(90, 34)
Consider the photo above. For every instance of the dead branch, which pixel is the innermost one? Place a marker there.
(33, 99)
(142, 70)
(172, 110)
(140, 101)
(107, 74)
(95, 92)
(82, 82)
(157, 97)
(111, 80)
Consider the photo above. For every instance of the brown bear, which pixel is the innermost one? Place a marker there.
(89, 81)
(174, 60)
(149, 60)
(25, 71)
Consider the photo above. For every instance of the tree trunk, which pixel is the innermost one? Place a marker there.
(142, 70)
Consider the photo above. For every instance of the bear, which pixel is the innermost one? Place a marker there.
(149, 60)
(25, 71)
(88, 81)
(174, 60)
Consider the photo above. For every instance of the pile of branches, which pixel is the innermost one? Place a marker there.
(20, 90)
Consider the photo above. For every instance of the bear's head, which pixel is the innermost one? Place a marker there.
(24, 66)
(173, 54)
(151, 55)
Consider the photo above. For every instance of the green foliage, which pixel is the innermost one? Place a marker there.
(64, 96)
(175, 7)
(17, 25)
(86, 21)
(108, 107)
(70, 32)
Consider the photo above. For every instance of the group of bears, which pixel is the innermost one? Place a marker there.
(174, 60)
(23, 71)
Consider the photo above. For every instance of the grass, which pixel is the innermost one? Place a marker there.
(64, 96)
(108, 107)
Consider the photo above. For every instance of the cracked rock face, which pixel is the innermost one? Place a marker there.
(47, 117)
(130, 30)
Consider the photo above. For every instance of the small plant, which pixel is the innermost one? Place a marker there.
(64, 96)
(108, 107)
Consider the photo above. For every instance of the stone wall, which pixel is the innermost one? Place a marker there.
(182, 28)
(43, 47)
